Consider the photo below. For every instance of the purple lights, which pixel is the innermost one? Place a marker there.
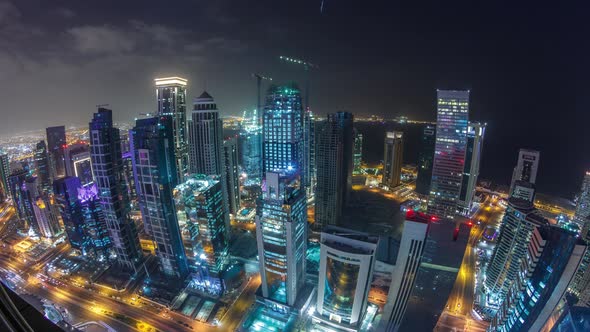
(87, 193)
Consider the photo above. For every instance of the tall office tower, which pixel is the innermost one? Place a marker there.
(583, 205)
(581, 283)
(449, 152)
(357, 156)
(309, 153)
(82, 216)
(425, 160)
(520, 219)
(393, 156)
(475, 135)
(4, 174)
(347, 260)
(526, 167)
(42, 165)
(18, 192)
(232, 176)
(404, 274)
(107, 167)
(199, 206)
(127, 153)
(251, 147)
(155, 166)
(282, 138)
(78, 162)
(24, 191)
(553, 256)
(206, 145)
(334, 148)
(441, 260)
(46, 214)
(56, 142)
(281, 233)
(171, 97)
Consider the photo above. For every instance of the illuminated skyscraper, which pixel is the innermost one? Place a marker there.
(526, 167)
(82, 216)
(425, 160)
(107, 167)
(171, 98)
(583, 204)
(281, 218)
(78, 162)
(46, 214)
(581, 283)
(347, 260)
(393, 156)
(404, 274)
(232, 176)
(283, 146)
(449, 152)
(4, 173)
(251, 147)
(153, 162)
(206, 144)
(199, 207)
(334, 148)
(553, 255)
(24, 191)
(358, 152)
(520, 219)
(42, 165)
(56, 142)
(281, 232)
(475, 135)
(309, 153)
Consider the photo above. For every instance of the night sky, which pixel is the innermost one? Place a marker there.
(526, 65)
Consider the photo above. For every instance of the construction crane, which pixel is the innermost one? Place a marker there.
(259, 78)
(307, 67)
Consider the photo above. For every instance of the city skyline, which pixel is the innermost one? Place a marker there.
(398, 77)
(342, 166)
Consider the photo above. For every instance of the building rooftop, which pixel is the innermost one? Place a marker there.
(166, 81)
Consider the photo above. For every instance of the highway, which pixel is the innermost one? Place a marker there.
(457, 315)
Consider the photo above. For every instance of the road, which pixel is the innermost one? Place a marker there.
(457, 315)
(234, 315)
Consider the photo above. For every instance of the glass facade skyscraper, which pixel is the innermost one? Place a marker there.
(78, 162)
(475, 136)
(107, 167)
(42, 165)
(56, 143)
(449, 152)
(393, 155)
(171, 98)
(155, 168)
(526, 167)
(232, 176)
(4, 174)
(358, 153)
(334, 148)
(516, 228)
(251, 147)
(82, 216)
(281, 212)
(24, 191)
(347, 260)
(281, 232)
(425, 160)
(199, 208)
(283, 146)
(543, 278)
